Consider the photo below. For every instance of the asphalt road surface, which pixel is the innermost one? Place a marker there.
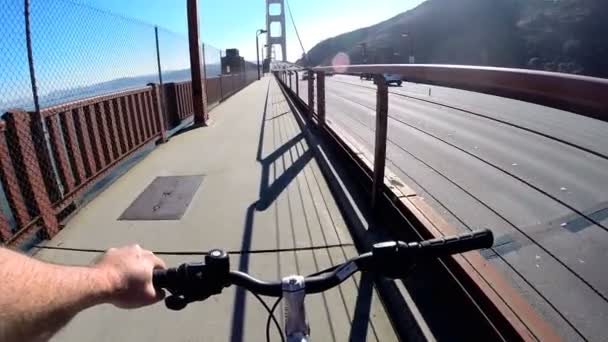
(536, 176)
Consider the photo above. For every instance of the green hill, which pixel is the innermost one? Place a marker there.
(556, 35)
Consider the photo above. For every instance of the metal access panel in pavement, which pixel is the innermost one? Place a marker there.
(166, 198)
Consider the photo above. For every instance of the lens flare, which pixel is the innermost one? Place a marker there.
(340, 62)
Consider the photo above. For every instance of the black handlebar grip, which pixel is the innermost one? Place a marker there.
(159, 278)
(458, 244)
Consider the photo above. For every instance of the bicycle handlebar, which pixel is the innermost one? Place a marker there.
(392, 259)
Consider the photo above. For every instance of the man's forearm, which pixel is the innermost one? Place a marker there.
(45, 296)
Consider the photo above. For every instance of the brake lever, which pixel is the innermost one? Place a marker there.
(195, 282)
(177, 303)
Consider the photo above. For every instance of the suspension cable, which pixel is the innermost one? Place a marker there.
(293, 22)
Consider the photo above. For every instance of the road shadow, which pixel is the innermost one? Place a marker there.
(268, 193)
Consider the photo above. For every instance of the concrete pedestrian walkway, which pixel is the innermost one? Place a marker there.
(261, 189)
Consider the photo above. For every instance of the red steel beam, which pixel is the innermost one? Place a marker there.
(60, 153)
(85, 142)
(311, 95)
(196, 63)
(68, 199)
(126, 116)
(114, 130)
(120, 120)
(5, 229)
(320, 96)
(381, 135)
(160, 118)
(20, 123)
(107, 142)
(135, 124)
(11, 182)
(141, 117)
(91, 117)
(73, 149)
(150, 113)
(53, 110)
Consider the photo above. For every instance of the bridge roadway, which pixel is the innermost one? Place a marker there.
(534, 175)
(262, 190)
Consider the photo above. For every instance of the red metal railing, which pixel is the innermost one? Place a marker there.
(178, 95)
(22, 179)
(178, 99)
(49, 159)
(583, 95)
(89, 137)
(43, 172)
(214, 92)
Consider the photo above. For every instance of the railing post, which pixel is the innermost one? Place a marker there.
(311, 94)
(198, 88)
(156, 97)
(171, 110)
(321, 98)
(297, 84)
(289, 75)
(19, 134)
(221, 90)
(204, 71)
(220, 76)
(381, 136)
(160, 91)
(12, 189)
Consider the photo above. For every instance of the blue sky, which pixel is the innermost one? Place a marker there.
(233, 23)
(78, 43)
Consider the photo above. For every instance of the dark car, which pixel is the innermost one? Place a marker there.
(306, 76)
(366, 77)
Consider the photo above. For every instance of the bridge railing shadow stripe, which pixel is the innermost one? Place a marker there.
(361, 321)
(296, 154)
(268, 194)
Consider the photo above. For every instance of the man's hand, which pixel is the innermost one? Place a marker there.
(38, 298)
(128, 271)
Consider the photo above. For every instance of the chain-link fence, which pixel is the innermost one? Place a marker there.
(80, 51)
(213, 61)
(81, 89)
(174, 55)
(15, 82)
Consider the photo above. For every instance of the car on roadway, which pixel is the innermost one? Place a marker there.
(307, 74)
(366, 77)
(392, 79)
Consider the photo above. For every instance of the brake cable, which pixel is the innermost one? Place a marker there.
(232, 252)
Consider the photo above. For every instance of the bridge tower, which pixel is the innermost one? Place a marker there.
(273, 38)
